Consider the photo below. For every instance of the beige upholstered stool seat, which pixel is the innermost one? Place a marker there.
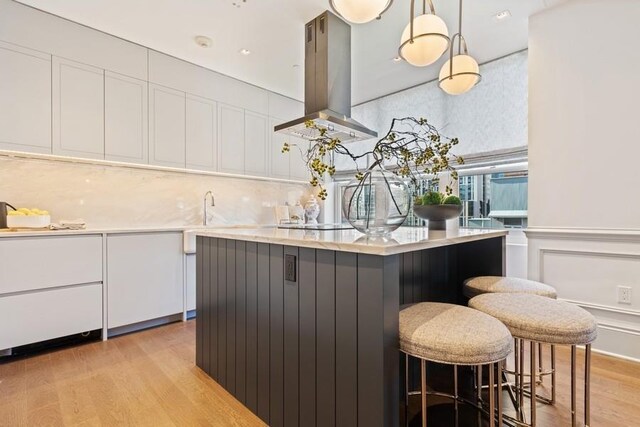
(453, 334)
(497, 284)
(536, 318)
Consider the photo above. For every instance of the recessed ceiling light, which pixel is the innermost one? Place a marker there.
(245, 51)
(503, 15)
(203, 41)
(397, 59)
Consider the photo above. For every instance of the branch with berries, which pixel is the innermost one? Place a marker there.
(412, 147)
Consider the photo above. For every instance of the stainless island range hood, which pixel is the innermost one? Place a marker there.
(327, 83)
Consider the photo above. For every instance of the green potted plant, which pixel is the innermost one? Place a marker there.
(437, 208)
(378, 199)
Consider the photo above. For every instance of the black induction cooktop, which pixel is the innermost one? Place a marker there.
(319, 227)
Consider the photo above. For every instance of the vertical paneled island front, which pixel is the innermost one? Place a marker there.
(302, 326)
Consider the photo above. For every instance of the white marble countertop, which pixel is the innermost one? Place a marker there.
(405, 239)
(117, 230)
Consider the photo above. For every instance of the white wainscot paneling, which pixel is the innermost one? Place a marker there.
(587, 268)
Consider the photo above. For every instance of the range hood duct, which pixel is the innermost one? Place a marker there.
(327, 83)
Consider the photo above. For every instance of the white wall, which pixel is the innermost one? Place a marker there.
(584, 210)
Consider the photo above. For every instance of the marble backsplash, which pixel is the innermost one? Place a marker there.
(108, 196)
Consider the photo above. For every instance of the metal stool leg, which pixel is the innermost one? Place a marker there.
(492, 394)
(587, 385)
(423, 388)
(540, 364)
(479, 382)
(406, 390)
(455, 394)
(553, 374)
(533, 369)
(573, 386)
(500, 393)
(521, 370)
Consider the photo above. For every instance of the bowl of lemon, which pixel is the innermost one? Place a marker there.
(28, 218)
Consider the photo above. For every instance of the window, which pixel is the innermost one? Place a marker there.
(497, 200)
(489, 200)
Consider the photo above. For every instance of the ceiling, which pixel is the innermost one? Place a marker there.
(273, 31)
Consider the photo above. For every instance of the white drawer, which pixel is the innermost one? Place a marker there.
(31, 263)
(43, 315)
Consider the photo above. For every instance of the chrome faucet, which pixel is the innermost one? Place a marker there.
(205, 221)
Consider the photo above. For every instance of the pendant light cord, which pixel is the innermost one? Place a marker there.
(424, 12)
(460, 29)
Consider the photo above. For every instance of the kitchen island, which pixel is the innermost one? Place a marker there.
(301, 326)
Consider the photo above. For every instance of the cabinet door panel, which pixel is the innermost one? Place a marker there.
(279, 161)
(255, 143)
(201, 133)
(25, 99)
(145, 277)
(231, 139)
(126, 122)
(33, 317)
(166, 126)
(70, 260)
(297, 165)
(78, 109)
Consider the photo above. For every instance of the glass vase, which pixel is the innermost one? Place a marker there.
(378, 203)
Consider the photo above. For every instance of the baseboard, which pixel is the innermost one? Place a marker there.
(121, 330)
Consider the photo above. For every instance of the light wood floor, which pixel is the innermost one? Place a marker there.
(149, 379)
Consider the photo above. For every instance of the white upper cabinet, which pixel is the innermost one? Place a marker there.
(231, 139)
(166, 126)
(78, 109)
(202, 133)
(286, 108)
(279, 160)
(256, 138)
(172, 72)
(32, 28)
(126, 119)
(25, 99)
(298, 167)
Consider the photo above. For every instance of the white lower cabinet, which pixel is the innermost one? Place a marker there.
(145, 277)
(191, 282)
(43, 315)
(50, 287)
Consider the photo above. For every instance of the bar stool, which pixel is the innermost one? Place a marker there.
(498, 284)
(506, 285)
(543, 320)
(454, 335)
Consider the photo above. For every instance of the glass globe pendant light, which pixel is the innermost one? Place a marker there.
(461, 72)
(360, 11)
(425, 38)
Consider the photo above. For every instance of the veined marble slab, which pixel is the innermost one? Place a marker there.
(405, 239)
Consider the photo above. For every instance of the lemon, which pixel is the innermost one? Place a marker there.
(15, 213)
(24, 210)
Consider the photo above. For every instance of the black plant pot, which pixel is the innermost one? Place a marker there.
(437, 215)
